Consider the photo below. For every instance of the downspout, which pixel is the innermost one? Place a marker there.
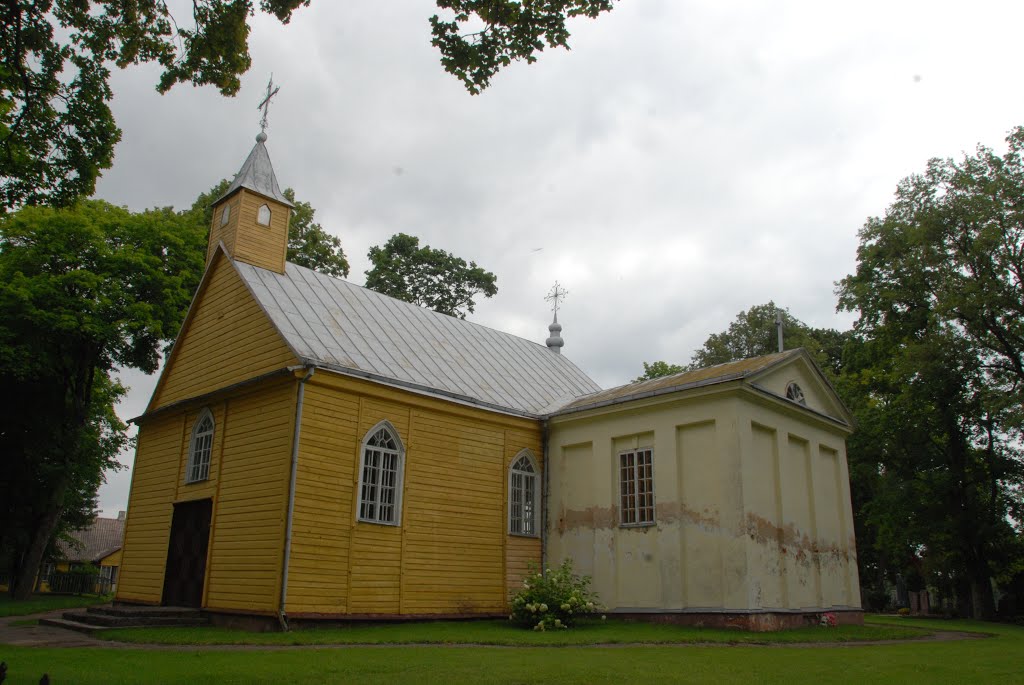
(281, 619)
(544, 500)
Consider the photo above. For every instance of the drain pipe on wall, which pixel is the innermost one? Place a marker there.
(281, 619)
(544, 500)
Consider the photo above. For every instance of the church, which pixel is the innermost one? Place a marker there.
(314, 450)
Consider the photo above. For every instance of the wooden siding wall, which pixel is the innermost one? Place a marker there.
(248, 483)
(247, 240)
(227, 339)
(451, 553)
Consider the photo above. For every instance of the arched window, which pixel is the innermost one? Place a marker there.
(795, 393)
(200, 448)
(523, 495)
(225, 214)
(263, 215)
(380, 476)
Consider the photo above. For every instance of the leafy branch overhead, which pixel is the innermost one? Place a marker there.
(506, 31)
(428, 277)
(57, 132)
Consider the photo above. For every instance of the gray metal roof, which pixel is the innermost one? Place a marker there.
(102, 538)
(338, 325)
(257, 174)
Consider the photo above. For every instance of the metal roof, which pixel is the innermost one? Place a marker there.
(102, 538)
(257, 174)
(710, 375)
(333, 323)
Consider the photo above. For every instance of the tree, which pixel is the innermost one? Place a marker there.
(509, 30)
(82, 290)
(57, 132)
(933, 378)
(428, 277)
(753, 333)
(309, 245)
(659, 370)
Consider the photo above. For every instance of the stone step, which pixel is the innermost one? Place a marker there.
(69, 625)
(145, 611)
(100, 620)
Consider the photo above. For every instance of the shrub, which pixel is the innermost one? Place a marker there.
(903, 611)
(553, 600)
(828, 620)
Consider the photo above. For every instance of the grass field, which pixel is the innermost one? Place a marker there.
(504, 634)
(47, 602)
(999, 659)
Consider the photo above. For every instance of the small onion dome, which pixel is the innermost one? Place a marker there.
(555, 342)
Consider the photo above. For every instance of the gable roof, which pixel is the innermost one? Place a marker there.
(103, 537)
(747, 370)
(331, 323)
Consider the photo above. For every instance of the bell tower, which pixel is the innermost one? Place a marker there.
(251, 218)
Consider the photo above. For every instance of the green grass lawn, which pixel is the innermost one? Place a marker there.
(37, 604)
(999, 659)
(503, 633)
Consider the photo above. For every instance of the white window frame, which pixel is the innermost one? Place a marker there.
(200, 449)
(524, 490)
(263, 212)
(369, 506)
(636, 488)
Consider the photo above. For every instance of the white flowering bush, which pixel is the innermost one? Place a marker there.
(553, 600)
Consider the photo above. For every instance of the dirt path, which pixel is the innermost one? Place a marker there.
(11, 633)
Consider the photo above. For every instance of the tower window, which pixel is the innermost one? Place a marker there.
(263, 215)
(225, 214)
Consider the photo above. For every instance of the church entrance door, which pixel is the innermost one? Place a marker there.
(186, 554)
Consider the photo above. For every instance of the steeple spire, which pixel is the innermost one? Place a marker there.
(555, 342)
(251, 218)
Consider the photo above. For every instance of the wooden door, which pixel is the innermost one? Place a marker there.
(186, 554)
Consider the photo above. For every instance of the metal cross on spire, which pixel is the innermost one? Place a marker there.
(557, 294)
(265, 105)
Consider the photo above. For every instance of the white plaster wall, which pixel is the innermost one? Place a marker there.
(738, 524)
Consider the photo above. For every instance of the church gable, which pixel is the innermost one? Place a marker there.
(226, 339)
(799, 380)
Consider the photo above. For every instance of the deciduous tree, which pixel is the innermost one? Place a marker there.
(428, 277)
(82, 290)
(933, 381)
(57, 132)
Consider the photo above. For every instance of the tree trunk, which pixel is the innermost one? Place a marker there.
(25, 578)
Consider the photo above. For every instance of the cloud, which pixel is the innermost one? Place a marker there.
(684, 161)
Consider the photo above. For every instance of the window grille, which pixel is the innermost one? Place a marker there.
(636, 487)
(380, 486)
(795, 392)
(522, 493)
(200, 448)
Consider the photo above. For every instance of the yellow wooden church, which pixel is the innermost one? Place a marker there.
(314, 449)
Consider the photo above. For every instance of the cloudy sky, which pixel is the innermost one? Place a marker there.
(684, 161)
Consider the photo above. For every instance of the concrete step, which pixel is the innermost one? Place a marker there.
(145, 611)
(69, 625)
(100, 620)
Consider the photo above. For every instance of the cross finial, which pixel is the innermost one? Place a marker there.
(556, 295)
(265, 105)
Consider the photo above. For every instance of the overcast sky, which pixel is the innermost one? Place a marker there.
(683, 162)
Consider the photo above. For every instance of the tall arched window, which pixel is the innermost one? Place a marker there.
(200, 448)
(380, 475)
(523, 495)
